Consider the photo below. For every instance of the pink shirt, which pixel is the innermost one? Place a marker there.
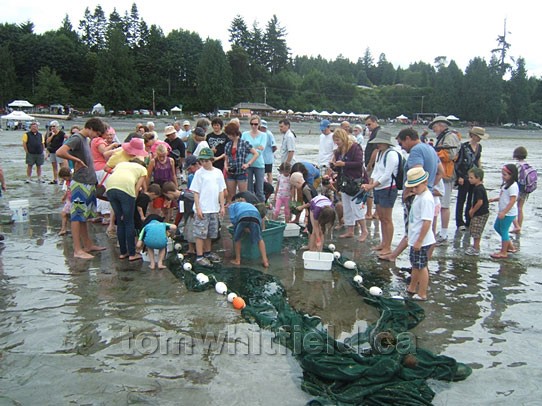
(97, 156)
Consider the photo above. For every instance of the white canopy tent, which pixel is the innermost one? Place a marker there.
(452, 117)
(402, 117)
(17, 116)
(176, 109)
(20, 103)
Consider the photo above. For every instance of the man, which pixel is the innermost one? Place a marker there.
(176, 144)
(325, 150)
(370, 153)
(34, 148)
(420, 155)
(54, 142)
(269, 151)
(151, 127)
(185, 132)
(345, 125)
(287, 149)
(82, 186)
(358, 133)
(447, 146)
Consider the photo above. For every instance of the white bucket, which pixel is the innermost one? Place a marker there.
(19, 210)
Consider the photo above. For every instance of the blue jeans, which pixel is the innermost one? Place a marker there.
(255, 182)
(124, 207)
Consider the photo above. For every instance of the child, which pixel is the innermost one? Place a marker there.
(304, 190)
(479, 209)
(321, 214)
(185, 199)
(209, 187)
(420, 234)
(520, 154)
(161, 169)
(142, 203)
(284, 192)
(154, 236)
(508, 209)
(66, 175)
(245, 217)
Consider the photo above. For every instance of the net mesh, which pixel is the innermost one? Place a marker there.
(379, 366)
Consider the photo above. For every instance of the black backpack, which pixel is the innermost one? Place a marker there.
(398, 180)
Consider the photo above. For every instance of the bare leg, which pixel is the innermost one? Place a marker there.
(55, 171)
(77, 231)
(237, 248)
(422, 280)
(150, 253)
(349, 232)
(161, 255)
(199, 247)
(263, 253)
(397, 251)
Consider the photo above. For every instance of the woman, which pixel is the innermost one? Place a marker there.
(236, 164)
(217, 141)
(102, 148)
(123, 185)
(467, 158)
(348, 160)
(385, 188)
(256, 171)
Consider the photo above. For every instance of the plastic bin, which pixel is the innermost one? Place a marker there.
(319, 261)
(19, 210)
(291, 230)
(273, 236)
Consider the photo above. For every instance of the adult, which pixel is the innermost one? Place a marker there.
(151, 128)
(135, 148)
(385, 189)
(83, 186)
(269, 151)
(185, 132)
(256, 171)
(236, 164)
(371, 122)
(287, 148)
(358, 133)
(217, 140)
(348, 159)
(178, 150)
(54, 141)
(345, 125)
(420, 155)
(447, 146)
(123, 186)
(102, 148)
(34, 147)
(326, 147)
(468, 158)
(138, 133)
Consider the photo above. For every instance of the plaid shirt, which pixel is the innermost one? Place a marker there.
(243, 149)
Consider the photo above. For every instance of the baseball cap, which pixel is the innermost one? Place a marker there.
(324, 124)
(189, 161)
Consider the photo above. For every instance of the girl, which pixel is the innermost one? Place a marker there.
(284, 192)
(507, 209)
(520, 154)
(66, 175)
(162, 169)
(322, 214)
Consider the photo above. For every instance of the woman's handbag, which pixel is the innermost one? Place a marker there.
(349, 185)
(100, 189)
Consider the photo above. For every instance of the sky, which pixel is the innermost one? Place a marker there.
(405, 31)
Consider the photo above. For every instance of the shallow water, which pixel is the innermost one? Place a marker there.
(101, 331)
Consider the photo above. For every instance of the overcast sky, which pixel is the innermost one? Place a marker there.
(405, 31)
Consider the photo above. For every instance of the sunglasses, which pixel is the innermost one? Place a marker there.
(254, 123)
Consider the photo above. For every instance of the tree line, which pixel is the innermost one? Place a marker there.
(125, 64)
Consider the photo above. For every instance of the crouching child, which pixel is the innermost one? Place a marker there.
(154, 237)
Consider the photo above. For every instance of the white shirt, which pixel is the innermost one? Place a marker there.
(325, 151)
(288, 144)
(201, 145)
(506, 195)
(209, 184)
(381, 173)
(423, 208)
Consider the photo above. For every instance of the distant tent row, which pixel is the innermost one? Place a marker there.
(323, 113)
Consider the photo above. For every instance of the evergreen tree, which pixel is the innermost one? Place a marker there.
(8, 78)
(239, 34)
(214, 77)
(481, 93)
(50, 88)
(520, 93)
(241, 80)
(94, 27)
(275, 49)
(132, 27)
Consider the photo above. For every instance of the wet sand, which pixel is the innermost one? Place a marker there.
(98, 331)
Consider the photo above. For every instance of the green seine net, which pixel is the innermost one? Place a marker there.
(380, 366)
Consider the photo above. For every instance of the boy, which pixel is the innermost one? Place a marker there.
(245, 217)
(83, 186)
(66, 175)
(154, 236)
(420, 233)
(186, 197)
(209, 187)
(479, 211)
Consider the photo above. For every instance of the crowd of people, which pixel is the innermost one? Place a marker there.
(360, 174)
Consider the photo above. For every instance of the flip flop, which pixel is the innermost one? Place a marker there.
(513, 251)
(498, 255)
(418, 298)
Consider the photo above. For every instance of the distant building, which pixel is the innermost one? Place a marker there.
(247, 109)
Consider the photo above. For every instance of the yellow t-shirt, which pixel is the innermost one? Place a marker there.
(125, 177)
(118, 157)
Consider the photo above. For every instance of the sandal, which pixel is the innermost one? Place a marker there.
(418, 298)
(513, 250)
(498, 255)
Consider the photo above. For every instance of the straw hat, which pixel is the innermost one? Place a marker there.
(169, 129)
(415, 176)
(480, 132)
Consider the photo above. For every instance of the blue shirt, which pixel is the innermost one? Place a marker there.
(425, 156)
(313, 172)
(258, 143)
(268, 154)
(239, 210)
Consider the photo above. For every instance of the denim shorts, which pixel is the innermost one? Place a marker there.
(385, 198)
(239, 177)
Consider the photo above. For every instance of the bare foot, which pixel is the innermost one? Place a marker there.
(265, 264)
(62, 232)
(378, 248)
(82, 255)
(516, 231)
(388, 257)
(151, 265)
(95, 248)
(363, 237)
(235, 262)
(384, 253)
(346, 235)
(123, 256)
(161, 266)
